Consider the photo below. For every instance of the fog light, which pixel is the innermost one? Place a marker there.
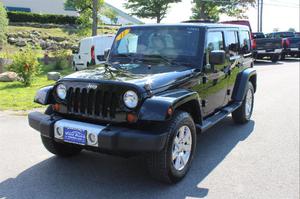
(59, 132)
(92, 139)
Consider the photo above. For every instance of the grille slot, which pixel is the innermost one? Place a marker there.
(100, 104)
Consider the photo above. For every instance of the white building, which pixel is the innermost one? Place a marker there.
(39, 6)
(58, 7)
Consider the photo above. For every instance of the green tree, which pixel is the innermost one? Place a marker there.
(212, 9)
(111, 14)
(3, 24)
(26, 65)
(153, 9)
(88, 10)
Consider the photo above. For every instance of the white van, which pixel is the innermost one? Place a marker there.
(91, 51)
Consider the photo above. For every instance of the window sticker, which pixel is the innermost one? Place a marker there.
(122, 34)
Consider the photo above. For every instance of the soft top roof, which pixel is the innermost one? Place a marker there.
(202, 25)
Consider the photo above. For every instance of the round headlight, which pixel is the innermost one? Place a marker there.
(61, 91)
(130, 99)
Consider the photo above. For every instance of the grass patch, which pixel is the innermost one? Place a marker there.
(14, 96)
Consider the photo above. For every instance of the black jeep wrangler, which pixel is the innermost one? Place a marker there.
(160, 85)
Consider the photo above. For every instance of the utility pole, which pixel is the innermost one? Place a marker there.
(261, 15)
(258, 15)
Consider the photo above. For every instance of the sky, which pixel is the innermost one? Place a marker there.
(281, 14)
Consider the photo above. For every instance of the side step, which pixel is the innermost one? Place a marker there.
(214, 119)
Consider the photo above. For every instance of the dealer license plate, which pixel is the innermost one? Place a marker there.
(76, 136)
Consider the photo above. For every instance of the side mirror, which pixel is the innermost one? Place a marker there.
(106, 53)
(217, 57)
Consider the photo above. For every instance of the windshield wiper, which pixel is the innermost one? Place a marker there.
(182, 63)
(171, 61)
(165, 59)
(130, 56)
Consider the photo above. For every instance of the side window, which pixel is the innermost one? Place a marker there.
(245, 42)
(232, 43)
(214, 41)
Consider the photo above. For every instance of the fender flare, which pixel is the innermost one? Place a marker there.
(44, 96)
(241, 83)
(156, 107)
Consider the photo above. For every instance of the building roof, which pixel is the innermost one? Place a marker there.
(123, 14)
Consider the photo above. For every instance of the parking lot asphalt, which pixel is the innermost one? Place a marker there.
(256, 160)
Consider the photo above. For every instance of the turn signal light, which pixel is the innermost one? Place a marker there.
(56, 107)
(131, 118)
(170, 111)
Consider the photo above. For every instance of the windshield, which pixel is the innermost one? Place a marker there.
(171, 48)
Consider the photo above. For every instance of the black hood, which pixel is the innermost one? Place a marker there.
(154, 82)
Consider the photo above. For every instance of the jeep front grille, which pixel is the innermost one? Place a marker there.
(94, 103)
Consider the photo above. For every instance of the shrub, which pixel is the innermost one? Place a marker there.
(61, 59)
(25, 64)
(3, 24)
(40, 18)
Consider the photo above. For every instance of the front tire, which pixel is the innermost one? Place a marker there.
(59, 149)
(282, 58)
(173, 162)
(244, 112)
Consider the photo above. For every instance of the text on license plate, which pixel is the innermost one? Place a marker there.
(76, 136)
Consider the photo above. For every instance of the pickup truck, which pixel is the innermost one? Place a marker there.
(291, 43)
(271, 48)
(160, 85)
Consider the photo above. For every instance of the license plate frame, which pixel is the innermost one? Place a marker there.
(75, 135)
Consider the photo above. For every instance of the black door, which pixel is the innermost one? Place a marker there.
(213, 86)
(240, 59)
(232, 48)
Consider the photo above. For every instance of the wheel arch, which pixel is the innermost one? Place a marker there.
(156, 107)
(242, 80)
(193, 108)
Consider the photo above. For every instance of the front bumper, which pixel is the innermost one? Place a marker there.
(111, 138)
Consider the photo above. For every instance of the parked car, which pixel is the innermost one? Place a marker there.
(160, 85)
(91, 51)
(291, 43)
(263, 47)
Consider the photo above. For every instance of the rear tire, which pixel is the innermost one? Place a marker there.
(244, 112)
(275, 58)
(59, 149)
(173, 162)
